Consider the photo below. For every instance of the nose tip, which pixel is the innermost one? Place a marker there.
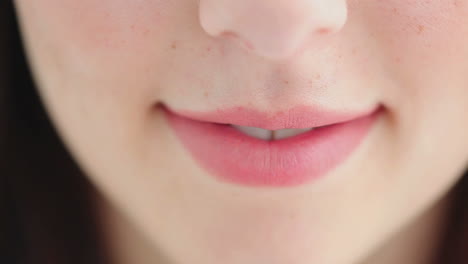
(274, 29)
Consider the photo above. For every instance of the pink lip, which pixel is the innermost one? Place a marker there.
(233, 157)
(297, 117)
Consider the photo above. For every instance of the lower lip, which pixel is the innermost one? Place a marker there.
(236, 158)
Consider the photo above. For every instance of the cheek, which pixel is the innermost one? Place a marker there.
(97, 49)
(427, 29)
(425, 45)
(91, 27)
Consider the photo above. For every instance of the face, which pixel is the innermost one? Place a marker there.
(136, 90)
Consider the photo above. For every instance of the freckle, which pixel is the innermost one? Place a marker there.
(421, 28)
(398, 59)
(286, 82)
(174, 46)
(323, 30)
(205, 94)
(318, 76)
(353, 51)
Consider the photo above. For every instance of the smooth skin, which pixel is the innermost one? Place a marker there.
(102, 66)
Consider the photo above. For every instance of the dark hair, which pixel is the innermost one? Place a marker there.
(47, 212)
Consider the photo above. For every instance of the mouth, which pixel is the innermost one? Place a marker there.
(283, 149)
(271, 135)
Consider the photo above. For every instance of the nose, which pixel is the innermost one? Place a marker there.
(274, 29)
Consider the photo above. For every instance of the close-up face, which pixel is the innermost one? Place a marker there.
(358, 107)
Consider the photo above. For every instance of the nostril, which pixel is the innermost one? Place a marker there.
(236, 37)
(273, 29)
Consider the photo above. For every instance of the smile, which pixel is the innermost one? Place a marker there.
(252, 148)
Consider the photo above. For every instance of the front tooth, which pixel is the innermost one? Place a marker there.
(285, 133)
(255, 132)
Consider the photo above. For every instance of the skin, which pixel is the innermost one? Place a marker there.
(101, 66)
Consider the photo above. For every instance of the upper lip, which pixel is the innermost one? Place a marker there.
(296, 117)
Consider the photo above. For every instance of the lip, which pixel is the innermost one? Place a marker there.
(296, 117)
(233, 157)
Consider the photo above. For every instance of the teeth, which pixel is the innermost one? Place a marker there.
(285, 133)
(255, 132)
(269, 134)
